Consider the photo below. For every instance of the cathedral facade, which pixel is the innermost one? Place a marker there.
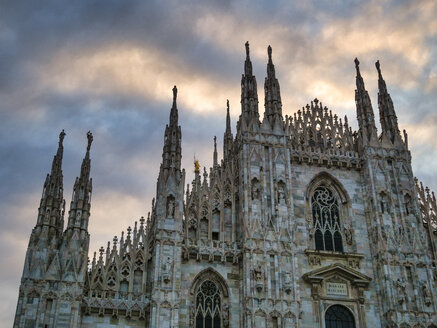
(303, 223)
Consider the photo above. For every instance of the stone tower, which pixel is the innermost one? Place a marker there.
(56, 260)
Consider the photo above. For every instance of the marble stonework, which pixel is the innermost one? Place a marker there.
(301, 214)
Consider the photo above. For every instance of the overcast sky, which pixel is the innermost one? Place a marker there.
(109, 66)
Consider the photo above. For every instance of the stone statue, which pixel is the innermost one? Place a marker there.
(281, 194)
(166, 269)
(255, 190)
(426, 294)
(288, 282)
(170, 208)
(258, 277)
(400, 287)
(348, 235)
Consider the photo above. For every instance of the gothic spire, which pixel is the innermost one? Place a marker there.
(171, 154)
(272, 104)
(228, 138)
(174, 108)
(215, 152)
(249, 96)
(365, 114)
(247, 62)
(81, 200)
(51, 210)
(387, 114)
(228, 119)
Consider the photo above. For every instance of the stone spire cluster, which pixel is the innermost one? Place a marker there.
(303, 222)
(365, 115)
(50, 220)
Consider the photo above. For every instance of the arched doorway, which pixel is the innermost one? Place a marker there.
(338, 316)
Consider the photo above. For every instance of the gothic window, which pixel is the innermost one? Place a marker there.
(338, 316)
(208, 306)
(326, 220)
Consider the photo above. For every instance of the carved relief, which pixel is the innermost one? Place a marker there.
(255, 189)
(400, 287)
(258, 278)
(288, 282)
(427, 297)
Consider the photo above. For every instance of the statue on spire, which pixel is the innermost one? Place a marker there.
(175, 94)
(378, 67)
(89, 135)
(247, 48)
(357, 65)
(269, 52)
(61, 136)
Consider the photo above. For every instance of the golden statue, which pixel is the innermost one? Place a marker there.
(196, 166)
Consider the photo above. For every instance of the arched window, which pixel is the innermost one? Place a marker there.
(208, 306)
(326, 220)
(338, 316)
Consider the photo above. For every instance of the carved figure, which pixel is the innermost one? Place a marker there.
(166, 269)
(258, 276)
(281, 194)
(255, 190)
(400, 287)
(170, 207)
(288, 282)
(348, 235)
(426, 294)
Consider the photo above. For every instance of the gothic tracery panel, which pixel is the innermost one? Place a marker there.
(208, 306)
(326, 220)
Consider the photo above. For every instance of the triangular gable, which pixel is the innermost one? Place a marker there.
(354, 276)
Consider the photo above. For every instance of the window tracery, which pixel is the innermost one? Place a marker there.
(208, 311)
(326, 220)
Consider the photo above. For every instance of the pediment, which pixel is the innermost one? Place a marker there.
(353, 276)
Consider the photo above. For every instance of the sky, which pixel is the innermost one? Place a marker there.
(109, 66)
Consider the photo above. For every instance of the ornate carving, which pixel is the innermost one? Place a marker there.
(400, 287)
(166, 270)
(427, 297)
(258, 277)
(288, 282)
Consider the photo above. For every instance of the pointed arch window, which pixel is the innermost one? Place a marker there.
(326, 220)
(208, 306)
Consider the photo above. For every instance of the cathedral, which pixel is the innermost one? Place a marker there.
(303, 223)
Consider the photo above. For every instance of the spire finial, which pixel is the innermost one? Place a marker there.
(196, 165)
(89, 135)
(357, 66)
(227, 105)
(61, 137)
(247, 48)
(215, 151)
(378, 68)
(175, 94)
(269, 52)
